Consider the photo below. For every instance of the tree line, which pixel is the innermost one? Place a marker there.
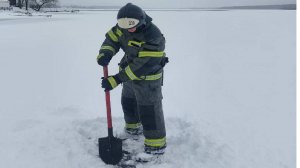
(34, 4)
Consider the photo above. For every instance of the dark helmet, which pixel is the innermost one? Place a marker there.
(130, 16)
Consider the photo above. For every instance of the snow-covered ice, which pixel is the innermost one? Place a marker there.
(229, 94)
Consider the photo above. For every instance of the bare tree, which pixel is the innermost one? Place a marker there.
(38, 4)
(19, 3)
(12, 2)
(26, 5)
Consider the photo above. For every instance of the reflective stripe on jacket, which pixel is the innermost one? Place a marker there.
(144, 51)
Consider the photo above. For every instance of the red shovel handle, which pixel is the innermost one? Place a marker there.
(107, 98)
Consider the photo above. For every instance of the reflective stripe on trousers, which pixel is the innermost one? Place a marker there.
(148, 109)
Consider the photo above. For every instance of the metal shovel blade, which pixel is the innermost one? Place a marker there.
(110, 150)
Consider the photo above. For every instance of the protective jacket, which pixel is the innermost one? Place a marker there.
(141, 71)
(144, 57)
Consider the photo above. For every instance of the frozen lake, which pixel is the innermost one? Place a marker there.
(229, 89)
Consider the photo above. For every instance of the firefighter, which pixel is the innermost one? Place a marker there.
(141, 73)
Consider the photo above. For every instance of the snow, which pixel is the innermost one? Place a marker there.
(229, 89)
(178, 3)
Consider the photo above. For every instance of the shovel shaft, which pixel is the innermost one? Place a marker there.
(108, 107)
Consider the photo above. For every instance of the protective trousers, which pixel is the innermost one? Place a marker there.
(142, 103)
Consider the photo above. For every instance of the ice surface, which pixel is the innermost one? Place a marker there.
(229, 94)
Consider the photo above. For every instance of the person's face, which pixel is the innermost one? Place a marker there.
(132, 30)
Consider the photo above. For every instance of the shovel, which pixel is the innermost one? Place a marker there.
(110, 148)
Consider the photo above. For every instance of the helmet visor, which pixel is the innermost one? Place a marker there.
(127, 23)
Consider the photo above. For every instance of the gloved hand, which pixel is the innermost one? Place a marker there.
(103, 60)
(111, 82)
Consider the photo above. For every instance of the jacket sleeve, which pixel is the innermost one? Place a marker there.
(111, 44)
(147, 61)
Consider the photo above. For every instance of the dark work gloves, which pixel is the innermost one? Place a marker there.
(164, 61)
(111, 82)
(103, 60)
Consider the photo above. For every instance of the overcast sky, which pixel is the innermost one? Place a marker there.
(176, 3)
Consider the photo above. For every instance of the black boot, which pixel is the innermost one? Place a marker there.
(134, 131)
(151, 154)
(155, 150)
